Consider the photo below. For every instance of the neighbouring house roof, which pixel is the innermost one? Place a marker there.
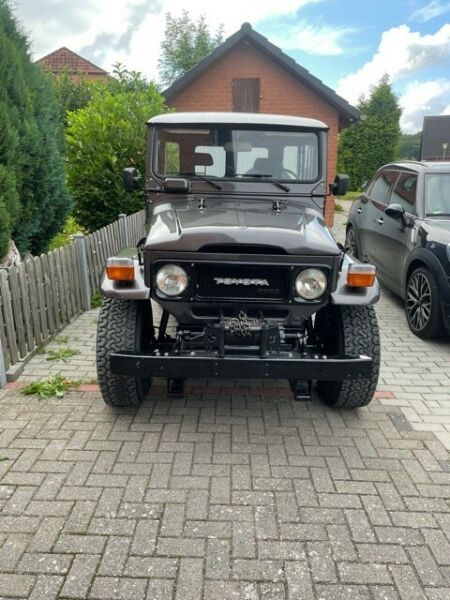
(64, 59)
(436, 131)
(246, 33)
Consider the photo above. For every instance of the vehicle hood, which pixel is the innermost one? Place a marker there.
(185, 226)
(437, 230)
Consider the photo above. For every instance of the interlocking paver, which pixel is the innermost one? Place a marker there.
(235, 492)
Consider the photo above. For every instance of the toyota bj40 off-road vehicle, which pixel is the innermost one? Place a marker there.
(238, 253)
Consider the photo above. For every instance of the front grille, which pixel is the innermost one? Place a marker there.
(241, 282)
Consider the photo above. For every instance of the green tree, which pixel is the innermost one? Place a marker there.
(33, 193)
(71, 94)
(374, 141)
(185, 43)
(103, 138)
(409, 147)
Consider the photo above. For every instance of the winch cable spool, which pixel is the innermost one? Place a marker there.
(240, 325)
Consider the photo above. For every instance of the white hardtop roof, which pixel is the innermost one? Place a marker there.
(235, 118)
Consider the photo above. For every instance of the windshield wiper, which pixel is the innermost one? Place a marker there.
(273, 181)
(203, 178)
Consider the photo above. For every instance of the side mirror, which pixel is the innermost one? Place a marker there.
(177, 184)
(397, 211)
(131, 179)
(340, 185)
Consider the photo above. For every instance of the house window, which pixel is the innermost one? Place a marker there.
(246, 95)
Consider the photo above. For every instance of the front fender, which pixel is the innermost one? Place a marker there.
(344, 294)
(434, 265)
(134, 290)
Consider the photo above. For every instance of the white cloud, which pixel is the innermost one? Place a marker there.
(401, 52)
(82, 23)
(314, 39)
(430, 11)
(423, 98)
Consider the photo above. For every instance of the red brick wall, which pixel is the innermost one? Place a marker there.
(280, 94)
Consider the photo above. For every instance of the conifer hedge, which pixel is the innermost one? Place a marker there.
(34, 201)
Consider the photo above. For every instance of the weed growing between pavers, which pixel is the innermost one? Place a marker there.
(96, 300)
(62, 354)
(54, 386)
(61, 339)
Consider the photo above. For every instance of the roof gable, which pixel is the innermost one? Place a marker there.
(246, 33)
(64, 59)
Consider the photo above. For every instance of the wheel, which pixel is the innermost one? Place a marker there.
(351, 244)
(422, 305)
(122, 325)
(349, 330)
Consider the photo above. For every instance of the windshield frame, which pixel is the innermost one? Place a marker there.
(321, 176)
(431, 215)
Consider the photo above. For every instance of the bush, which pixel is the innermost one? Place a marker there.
(366, 146)
(5, 229)
(103, 138)
(65, 236)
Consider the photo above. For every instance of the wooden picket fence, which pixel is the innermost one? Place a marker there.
(44, 293)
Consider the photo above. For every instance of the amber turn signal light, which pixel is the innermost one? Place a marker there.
(360, 275)
(120, 269)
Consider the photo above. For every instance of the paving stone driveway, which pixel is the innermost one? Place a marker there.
(236, 492)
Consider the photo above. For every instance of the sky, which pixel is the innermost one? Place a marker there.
(348, 44)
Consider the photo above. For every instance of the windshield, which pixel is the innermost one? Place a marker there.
(437, 195)
(226, 152)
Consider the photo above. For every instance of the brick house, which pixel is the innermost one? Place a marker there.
(65, 60)
(247, 73)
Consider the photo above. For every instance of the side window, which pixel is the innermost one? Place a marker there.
(404, 192)
(379, 189)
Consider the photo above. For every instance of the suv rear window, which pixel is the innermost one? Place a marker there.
(379, 189)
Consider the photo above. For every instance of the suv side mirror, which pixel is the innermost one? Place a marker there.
(340, 185)
(131, 179)
(397, 211)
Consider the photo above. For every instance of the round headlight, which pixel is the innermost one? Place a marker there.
(311, 284)
(171, 280)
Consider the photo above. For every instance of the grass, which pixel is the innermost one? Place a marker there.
(61, 339)
(56, 385)
(338, 207)
(62, 354)
(350, 196)
(2, 458)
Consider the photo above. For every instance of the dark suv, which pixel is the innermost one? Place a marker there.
(401, 224)
(238, 254)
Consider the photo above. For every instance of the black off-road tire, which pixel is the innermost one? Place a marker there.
(349, 330)
(434, 325)
(351, 243)
(123, 325)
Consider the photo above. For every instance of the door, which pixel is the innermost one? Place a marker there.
(372, 214)
(394, 239)
(246, 95)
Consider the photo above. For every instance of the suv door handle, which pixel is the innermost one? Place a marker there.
(359, 210)
(380, 220)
